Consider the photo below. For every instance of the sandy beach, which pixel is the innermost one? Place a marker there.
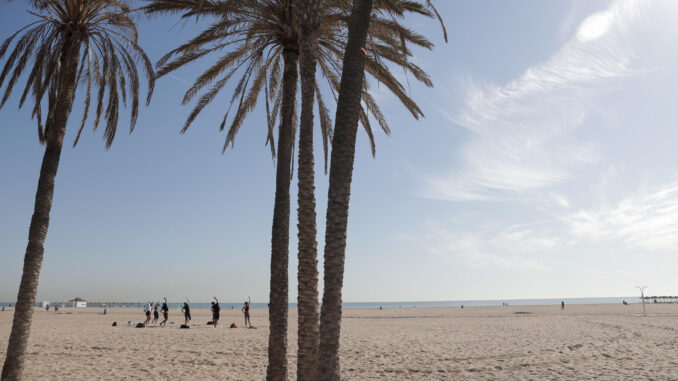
(603, 342)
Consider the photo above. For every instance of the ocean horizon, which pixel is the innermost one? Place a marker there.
(407, 304)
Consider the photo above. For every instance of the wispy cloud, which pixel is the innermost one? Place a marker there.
(647, 220)
(512, 247)
(521, 133)
(644, 220)
(179, 79)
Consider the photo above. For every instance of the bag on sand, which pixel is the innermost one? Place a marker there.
(184, 326)
(141, 325)
(210, 322)
(233, 325)
(115, 324)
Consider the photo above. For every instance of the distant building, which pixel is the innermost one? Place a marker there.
(77, 302)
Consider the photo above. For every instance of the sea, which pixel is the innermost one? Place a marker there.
(410, 304)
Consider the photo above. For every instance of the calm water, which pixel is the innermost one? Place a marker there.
(448, 303)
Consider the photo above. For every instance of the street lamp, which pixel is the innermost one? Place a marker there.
(642, 297)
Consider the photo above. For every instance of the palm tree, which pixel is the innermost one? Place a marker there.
(257, 35)
(261, 39)
(308, 17)
(387, 39)
(349, 112)
(93, 42)
(341, 170)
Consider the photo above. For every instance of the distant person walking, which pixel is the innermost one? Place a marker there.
(165, 312)
(147, 309)
(187, 312)
(156, 315)
(562, 305)
(246, 311)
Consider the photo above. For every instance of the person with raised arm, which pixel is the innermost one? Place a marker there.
(215, 312)
(165, 312)
(156, 315)
(246, 311)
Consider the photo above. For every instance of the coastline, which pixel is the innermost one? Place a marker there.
(401, 304)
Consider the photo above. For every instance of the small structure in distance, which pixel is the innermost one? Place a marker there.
(76, 303)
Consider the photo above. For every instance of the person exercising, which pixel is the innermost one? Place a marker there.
(187, 312)
(165, 312)
(246, 311)
(147, 309)
(215, 312)
(156, 314)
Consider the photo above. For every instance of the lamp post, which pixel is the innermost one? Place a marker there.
(642, 297)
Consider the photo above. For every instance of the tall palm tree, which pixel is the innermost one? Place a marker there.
(387, 41)
(262, 40)
(89, 42)
(308, 17)
(349, 112)
(256, 35)
(341, 170)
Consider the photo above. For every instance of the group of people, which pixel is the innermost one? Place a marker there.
(186, 309)
(156, 314)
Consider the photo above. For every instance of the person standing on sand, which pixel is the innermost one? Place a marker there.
(215, 312)
(155, 312)
(562, 305)
(187, 312)
(165, 312)
(147, 309)
(246, 311)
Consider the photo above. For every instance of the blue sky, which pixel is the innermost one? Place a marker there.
(545, 167)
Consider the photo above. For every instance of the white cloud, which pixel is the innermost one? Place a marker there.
(522, 132)
(511, 247)
(648, 220)
(478, 250)
(645, 220)
(561, 142)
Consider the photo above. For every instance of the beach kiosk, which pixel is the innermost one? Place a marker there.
(77, 303)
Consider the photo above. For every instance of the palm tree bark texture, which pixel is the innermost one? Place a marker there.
(341, 172)
(307, 274)
(18, 340)
(277, 313)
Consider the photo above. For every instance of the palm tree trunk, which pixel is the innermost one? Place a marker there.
(341, 172)
(307, 275)
(277, 313)
(18, 339)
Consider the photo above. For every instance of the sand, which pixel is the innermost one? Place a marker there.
(603, 342)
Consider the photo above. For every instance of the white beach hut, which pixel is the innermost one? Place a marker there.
(77, 303)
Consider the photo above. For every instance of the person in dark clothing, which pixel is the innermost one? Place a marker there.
(165, 312)
(215, 312)
(156, 315)
(246, 311)
(562, 305)
(187, 312)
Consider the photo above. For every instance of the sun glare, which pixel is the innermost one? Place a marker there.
(594, 26)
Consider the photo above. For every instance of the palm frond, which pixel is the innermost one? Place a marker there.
(98, 41)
